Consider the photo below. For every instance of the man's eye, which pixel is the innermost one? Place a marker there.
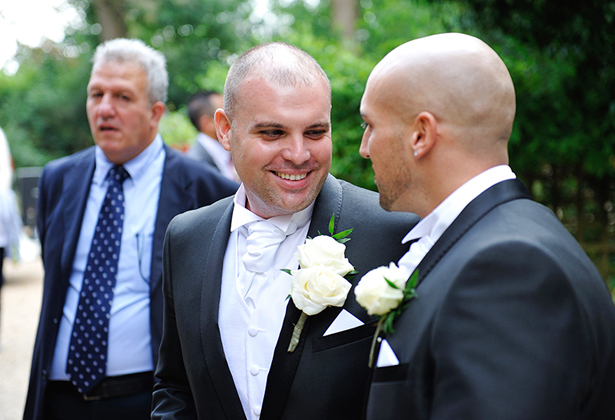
(272, 133)
(364, 125)
(316, 134)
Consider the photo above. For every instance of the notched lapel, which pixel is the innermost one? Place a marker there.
(75, 192)
(492, 197)
(174, 198)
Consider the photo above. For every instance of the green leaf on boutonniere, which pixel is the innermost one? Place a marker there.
(341, 237)
(386, 321)
(287, 271)
(409, 293)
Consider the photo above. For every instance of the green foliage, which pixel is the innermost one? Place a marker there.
(177, 130)
(42, 109)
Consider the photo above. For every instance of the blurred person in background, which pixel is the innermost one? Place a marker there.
(101, 217)
(10, 220)
(201, 109)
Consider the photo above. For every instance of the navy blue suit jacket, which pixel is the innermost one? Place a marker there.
(63, 190)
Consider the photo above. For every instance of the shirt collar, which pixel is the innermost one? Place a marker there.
(242, 216)
(436, 222)
(135, 166)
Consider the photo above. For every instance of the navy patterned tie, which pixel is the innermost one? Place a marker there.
(87, 354)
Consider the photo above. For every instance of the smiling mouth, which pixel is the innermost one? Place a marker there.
(291, 177)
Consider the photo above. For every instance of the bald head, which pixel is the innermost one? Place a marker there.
(457, 78)
(439, 111)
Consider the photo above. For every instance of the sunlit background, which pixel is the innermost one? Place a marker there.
(559, 55)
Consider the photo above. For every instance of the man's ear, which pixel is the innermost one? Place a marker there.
(223, 128)
(424, 135)
(157, 110)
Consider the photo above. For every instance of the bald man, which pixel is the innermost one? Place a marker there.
(512, 320)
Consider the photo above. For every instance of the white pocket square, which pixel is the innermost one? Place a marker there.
(344, 321)
(386, 356)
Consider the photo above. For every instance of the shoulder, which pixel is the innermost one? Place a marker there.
(55, 169)
(364, 205)
(195, 220)
(201, 174)
(65, 163)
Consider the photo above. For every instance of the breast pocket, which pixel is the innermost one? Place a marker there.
(363, 332)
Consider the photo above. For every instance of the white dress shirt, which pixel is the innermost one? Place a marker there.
(435, 223)
(249, 334)
(129, 349)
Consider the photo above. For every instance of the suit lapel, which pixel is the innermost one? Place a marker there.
(76, 186)
(496, 195)
(174, 199)
(284, 364)
(211, 340)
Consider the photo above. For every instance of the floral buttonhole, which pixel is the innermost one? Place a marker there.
(385, 292)
(322, 277)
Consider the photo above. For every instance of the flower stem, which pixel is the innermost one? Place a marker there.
(372, 350)
(294, 341)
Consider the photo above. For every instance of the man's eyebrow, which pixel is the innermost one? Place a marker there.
(267, 125)
(324, 125)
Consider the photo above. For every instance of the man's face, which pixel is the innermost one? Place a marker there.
(386, 141)
(122, 121)
(280, 142)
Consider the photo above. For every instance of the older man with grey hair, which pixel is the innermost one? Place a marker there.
(102, 214)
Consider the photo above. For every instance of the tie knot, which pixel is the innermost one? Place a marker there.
(118, 174)
(262, 243)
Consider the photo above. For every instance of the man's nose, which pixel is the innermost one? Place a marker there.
(106, 107)
(297, 150)
(364, 150)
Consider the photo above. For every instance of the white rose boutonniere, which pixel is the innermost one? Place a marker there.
(320, 281)
(385, 292)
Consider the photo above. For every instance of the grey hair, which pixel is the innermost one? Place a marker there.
(123, 50)
(278, 62)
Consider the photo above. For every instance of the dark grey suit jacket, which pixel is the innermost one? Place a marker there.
(326, 377)
(63, 191)
(512, 321)
(198, 152)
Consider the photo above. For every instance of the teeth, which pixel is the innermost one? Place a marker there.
(291, 177)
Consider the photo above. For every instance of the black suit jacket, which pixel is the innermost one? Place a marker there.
(63, 192)
(326, 377)
(512, 321)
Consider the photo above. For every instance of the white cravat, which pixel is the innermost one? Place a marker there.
(262, 244)
(253, 305)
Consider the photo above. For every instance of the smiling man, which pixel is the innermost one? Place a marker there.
(228, 322)
(102, 214)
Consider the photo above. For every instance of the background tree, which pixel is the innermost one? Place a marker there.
(559, 55)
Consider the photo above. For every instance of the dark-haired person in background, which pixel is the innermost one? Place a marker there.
(201, 109)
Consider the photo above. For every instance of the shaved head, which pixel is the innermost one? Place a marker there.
(456, 77)
(439, 111)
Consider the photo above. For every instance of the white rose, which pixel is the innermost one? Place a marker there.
(324, 250)
(315, 288)
(376, 295)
